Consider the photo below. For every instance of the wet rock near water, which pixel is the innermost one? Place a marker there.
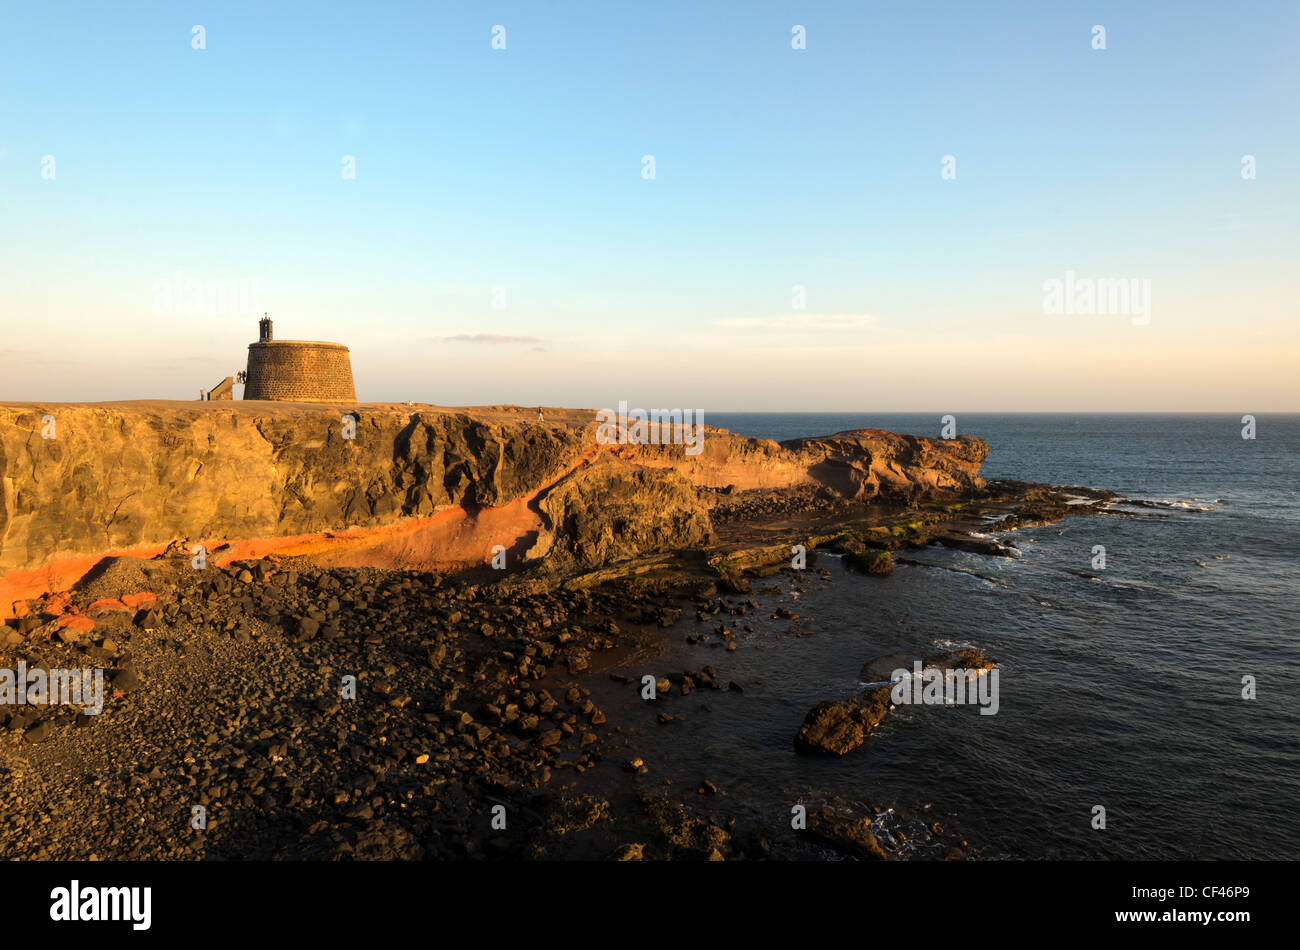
(879, 563)
(838, 727)
(849, 836)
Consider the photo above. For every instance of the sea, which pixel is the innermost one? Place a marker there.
(1148, 708)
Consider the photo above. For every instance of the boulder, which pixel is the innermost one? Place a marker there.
(879, 563)
(850, 836)
(837, 727)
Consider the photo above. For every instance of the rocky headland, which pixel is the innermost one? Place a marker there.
(359, 632)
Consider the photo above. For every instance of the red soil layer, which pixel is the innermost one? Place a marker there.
(19, 586)
(452, 539)
(449, 540)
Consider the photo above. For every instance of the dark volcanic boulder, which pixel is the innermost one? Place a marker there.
(851, 836)
(879, 563)
(837, 727)
(985, 546)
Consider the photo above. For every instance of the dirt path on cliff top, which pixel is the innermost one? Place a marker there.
(553, 416)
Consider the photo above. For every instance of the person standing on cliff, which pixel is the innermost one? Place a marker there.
(540, 417)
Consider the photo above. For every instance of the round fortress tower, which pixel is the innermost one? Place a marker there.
(298, 370)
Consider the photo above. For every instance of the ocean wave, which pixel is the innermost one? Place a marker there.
(982, 578)
(1165, 504)
(954, 645)
(1162, 506)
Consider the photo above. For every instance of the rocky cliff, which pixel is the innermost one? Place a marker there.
(419, 486)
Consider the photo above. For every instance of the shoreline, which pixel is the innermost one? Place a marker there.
(390, 646)
(469, 696)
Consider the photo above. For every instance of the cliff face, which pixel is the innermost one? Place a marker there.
(870, 462)
(859, 464)
(605, 513)
(428, 486)
(120, 477)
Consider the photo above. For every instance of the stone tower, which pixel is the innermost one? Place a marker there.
(298, 370)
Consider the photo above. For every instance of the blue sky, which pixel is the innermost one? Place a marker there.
(521, 170)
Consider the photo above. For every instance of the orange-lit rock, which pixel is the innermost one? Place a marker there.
(424, 487)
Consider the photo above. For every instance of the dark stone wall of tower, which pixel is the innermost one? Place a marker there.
(298, 371)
